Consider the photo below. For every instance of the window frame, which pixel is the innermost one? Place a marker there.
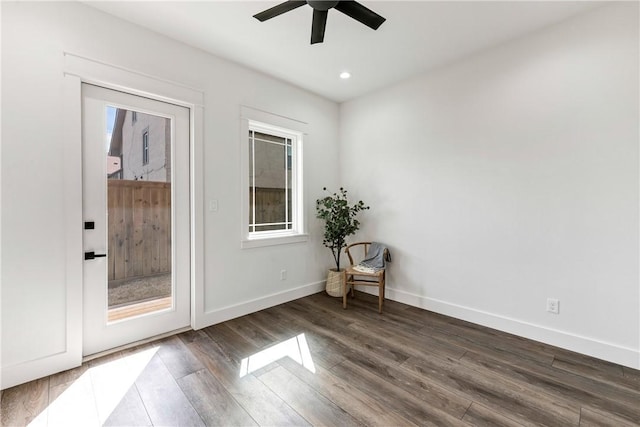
(279, 126)
(289, 148)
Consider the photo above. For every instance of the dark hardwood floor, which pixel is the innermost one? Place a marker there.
(309, 362)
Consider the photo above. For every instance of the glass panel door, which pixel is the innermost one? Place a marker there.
(136, 208)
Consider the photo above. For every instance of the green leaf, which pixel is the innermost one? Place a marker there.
(340, 220)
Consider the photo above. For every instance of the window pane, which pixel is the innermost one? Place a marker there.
(265, 137)
(139, 261)
(272, 227)
(145, 148)
(270, 182)
(251, 185)
(289, 178)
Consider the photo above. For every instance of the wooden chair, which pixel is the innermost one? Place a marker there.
(354, 277)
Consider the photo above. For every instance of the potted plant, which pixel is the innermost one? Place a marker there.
(339, 222)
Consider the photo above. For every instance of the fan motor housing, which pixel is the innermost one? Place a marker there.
(322, 5)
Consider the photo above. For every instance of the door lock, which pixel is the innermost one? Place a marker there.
(93, 255)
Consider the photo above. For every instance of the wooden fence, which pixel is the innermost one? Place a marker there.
(139, 228)
(270, 206)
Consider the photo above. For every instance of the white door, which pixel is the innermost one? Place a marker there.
(136, 218)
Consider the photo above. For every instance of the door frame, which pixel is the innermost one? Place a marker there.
(78, 70)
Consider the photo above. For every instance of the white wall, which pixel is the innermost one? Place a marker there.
(510, 177)
(36, 272)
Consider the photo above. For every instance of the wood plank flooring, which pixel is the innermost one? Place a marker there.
(309, 362)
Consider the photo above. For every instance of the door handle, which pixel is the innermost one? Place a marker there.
(93, 255)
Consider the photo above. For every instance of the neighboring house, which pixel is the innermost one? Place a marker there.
(142, 143)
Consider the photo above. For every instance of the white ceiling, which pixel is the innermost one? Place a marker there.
(417, 36)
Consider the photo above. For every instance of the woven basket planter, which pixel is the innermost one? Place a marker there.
(335, 280)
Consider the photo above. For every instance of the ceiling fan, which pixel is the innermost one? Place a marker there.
(320, 11)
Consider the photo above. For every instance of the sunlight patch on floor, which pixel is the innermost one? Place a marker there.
(296, 348)
(91, 398)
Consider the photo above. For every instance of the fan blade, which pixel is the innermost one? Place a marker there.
(279, 9)
(360, 13)
(318, 25)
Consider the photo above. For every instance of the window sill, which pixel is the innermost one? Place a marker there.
(273, 241)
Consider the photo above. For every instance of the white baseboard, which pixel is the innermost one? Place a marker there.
(585, 345)
(231, 312)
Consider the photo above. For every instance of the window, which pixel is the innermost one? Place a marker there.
(273, 177)
(270, 182)
(145, 147)
(134, 117)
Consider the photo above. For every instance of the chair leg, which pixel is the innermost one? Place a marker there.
(344, 290)
(381, 294)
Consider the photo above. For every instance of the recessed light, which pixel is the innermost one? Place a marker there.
(345, 75)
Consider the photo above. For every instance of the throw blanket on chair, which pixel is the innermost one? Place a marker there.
(375, 259)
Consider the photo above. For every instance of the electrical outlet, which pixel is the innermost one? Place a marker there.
(283, 274)
(553, 306)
